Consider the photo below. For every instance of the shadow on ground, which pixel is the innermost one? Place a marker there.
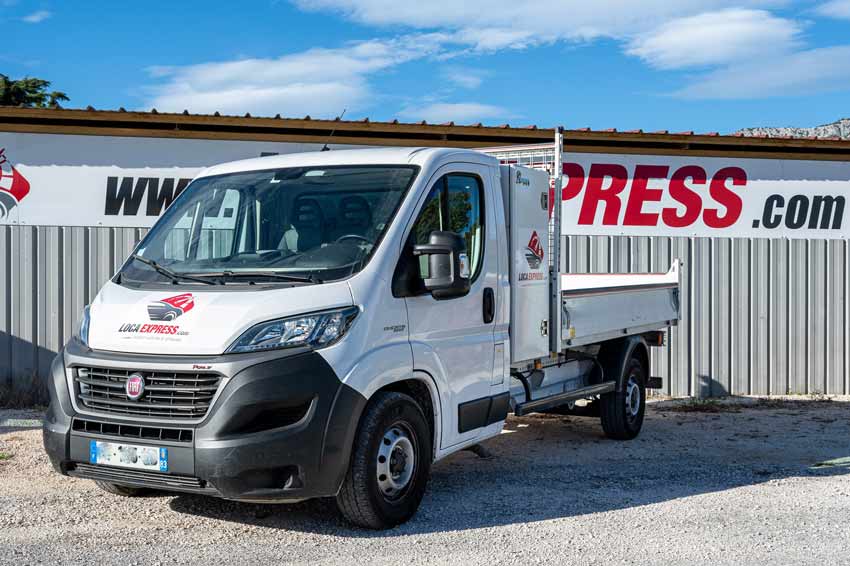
(545, 467)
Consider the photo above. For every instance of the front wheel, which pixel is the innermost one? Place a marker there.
(622, 411)
(390, 463)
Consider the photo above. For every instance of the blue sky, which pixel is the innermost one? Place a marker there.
(705, 65)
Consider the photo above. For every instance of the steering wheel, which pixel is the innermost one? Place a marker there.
(353, 237)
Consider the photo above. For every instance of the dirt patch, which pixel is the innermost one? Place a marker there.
(700, 406)
(739, 404)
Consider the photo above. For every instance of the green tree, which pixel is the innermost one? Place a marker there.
(28, 91)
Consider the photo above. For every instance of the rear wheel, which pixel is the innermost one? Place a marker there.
(622, 411)
(390, 463)
(122, 490)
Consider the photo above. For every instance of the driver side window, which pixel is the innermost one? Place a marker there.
(455, 204)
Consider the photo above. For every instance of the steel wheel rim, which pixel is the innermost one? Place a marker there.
(633, 398)
(396, 461)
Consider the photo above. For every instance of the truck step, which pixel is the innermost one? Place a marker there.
(654, 383)
(538, 405)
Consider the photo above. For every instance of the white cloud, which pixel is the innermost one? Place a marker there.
(835, 9)
(745, 49)
(715, 38)
(499, 24)
(320, 82)
(496, 38)
(37, 17)
(731, 37)
(460, 112)
(816, 70)
(464, 77)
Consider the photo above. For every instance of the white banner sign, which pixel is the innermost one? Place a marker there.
(640, 195)
(59, 180)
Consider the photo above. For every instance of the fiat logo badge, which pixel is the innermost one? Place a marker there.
(135, 386)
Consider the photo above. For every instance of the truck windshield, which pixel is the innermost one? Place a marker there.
(294, 225)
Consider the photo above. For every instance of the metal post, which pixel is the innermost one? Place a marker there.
(555, 251)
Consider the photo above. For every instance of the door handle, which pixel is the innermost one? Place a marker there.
(489, 310)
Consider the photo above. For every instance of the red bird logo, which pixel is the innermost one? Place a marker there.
(172, 307)
(13, 186)
(534, 246)
(534, 253)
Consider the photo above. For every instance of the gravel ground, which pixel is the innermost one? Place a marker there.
(710, 483)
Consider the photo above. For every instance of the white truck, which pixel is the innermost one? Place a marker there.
(331, 323)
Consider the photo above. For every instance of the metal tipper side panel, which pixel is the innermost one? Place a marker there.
(598, 307)
(526, 193)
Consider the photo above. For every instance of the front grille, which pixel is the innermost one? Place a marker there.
(141, 478)
(132, 431)
(167, 395)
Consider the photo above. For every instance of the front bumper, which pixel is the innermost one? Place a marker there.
(280, 429)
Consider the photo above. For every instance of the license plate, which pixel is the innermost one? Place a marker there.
(128, 456)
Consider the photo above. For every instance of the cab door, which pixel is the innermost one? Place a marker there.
(453, 339)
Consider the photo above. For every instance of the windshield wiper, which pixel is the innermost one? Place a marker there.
(173, 275)
(270, 274)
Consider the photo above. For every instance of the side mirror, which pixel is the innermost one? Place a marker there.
(448, 264)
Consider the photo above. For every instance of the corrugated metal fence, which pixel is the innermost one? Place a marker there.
(48, 275)
(759, 316)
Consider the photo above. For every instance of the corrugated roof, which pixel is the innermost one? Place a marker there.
(395, 121)
(153, 123)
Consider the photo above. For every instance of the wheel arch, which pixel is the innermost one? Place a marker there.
(615, 354)
(641, 349)
(423, 390)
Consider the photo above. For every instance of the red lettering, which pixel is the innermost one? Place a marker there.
(725, 196)
(595, 193)
(682, 193)
(641, 192)
(575, 181)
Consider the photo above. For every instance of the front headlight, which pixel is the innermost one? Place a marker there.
(85, 322)
(316, 330)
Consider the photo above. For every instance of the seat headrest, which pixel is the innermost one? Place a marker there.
(307, 212)
(355, 212)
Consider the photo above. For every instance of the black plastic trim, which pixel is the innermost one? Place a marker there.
(141, 478)
(482, 412)
(281, 430)
(297, 459)
(553, 401)
(125, 430)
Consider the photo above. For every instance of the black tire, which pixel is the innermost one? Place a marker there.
(622, 420)
(388, 415)
(122, 490)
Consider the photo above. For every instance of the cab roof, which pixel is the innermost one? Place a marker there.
(421, 156)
